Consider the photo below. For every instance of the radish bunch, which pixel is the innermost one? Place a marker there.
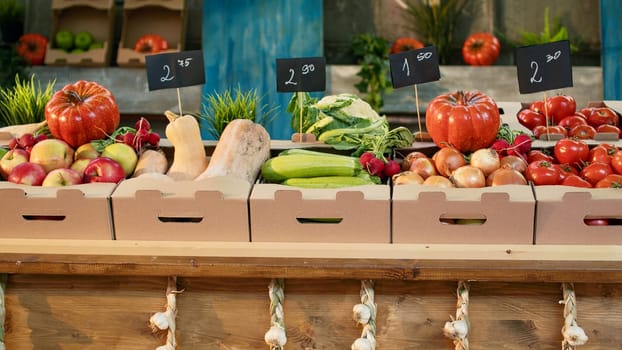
(379, 165)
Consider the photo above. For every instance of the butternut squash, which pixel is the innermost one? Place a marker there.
(150, 161)
(189, 158)
(242, 149)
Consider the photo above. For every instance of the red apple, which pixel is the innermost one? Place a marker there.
(52, 154)
(62, 177)
(103, 170)
(27, 173)
(11, 159)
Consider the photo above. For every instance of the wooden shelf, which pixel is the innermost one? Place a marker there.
(511, 263)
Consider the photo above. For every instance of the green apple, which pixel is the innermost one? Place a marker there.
(3, 151)
(64, 40)
(123, 154)
(77, 50)
(83, 40)
(96, 45)
(80, 164)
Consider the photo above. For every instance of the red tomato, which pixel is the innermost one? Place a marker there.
(151, 43)
(32, 48)
(406, 44)
(583, 132)
(542, 173)
(576, 181)
(571, 151)
(467, 120)
(481, 49)
(596, 222)
(560, 106)
(602, 115)
(610, 181)
(81, 112)
(609, 128)
(535, 155)
(595, 172)
(573, 120)
(530, 119)
(602, 153)
(537, 106)
(616, 162)
(543, 131)
(565, 170)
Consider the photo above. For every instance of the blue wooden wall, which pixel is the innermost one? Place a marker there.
(242, 40)
(611, 38)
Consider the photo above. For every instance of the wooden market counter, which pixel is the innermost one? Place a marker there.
(100, 294)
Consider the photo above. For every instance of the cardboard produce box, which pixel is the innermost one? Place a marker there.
(161, 209)
(359, 214)
(561, 211)
(427, 215)
(70, 212)
(94, 16)
(166, 18)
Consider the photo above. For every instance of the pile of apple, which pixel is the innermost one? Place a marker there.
(44, 161)
(79, 42)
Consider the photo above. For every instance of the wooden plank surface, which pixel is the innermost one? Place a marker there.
(314, 261)
(104, 312)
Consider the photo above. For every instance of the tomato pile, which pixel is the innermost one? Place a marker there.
(565, 119)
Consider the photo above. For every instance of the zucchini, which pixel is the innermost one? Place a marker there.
(284, 167)
(292, 151)
(328, 181)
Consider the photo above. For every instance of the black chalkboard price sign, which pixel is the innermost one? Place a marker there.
(301, 74)
(175, 70)
(414, 67)
(543, 67)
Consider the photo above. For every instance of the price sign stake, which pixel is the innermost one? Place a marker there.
(300, 75)
(412, 68)
(175, 70)
(544, 67)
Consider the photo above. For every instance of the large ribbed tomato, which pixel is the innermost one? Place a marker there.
(82, 112)
(467, 120)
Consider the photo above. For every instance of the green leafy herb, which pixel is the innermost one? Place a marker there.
(550, 33)
(221, 108)
(372, 54)
(435, 21)
(25, 102)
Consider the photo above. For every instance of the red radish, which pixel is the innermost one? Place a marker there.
(366, 157)
(391, 168)
(521, 144)
(501, 146)
(375, 166)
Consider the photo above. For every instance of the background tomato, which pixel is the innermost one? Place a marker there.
(32, 48)
(560, 106)
(467, 120)
(571, 151)
(81, 112)
(530, 119)
(406, 44)
(602, 115)
(151, 43)
(573, 120)
(610, 129)
(541, 131)
(582, 131)
(481, 49)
